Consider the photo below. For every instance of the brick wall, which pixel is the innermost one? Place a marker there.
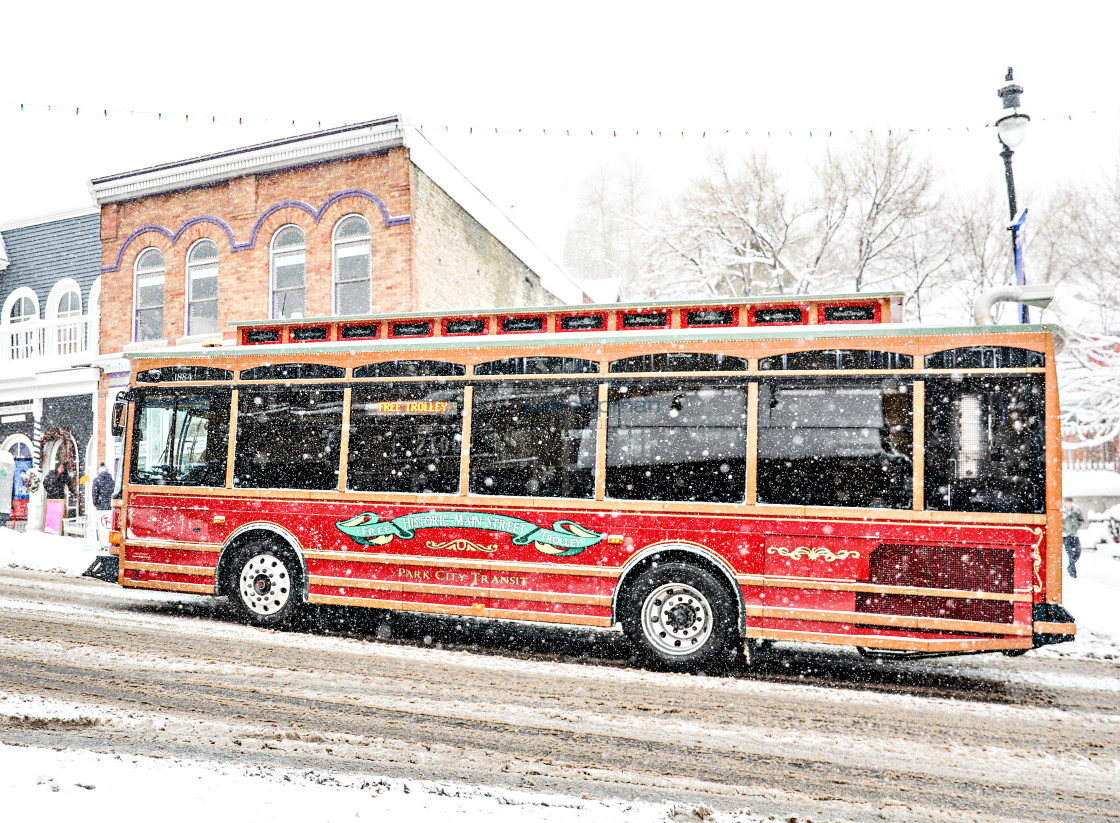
(458, 263)
(243, 280)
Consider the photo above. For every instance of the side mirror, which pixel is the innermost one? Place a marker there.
(120, 412)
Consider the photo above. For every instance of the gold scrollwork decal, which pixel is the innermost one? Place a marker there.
(1037, 556)
(827, 555)
(462, 545)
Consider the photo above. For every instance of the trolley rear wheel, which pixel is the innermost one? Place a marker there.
(679, 617)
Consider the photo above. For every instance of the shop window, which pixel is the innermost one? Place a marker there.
(289, 272)
(352, 266)
(148, 299)
(202, 288)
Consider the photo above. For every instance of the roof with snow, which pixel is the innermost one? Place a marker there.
(368, 137)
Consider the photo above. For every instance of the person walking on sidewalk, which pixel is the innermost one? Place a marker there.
(1072, 521)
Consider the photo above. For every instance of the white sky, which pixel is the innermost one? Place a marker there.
(582, 66)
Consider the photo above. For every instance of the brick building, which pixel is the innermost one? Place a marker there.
(354, 220)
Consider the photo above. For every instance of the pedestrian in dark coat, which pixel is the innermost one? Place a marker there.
(1072, 521)
(103, 489)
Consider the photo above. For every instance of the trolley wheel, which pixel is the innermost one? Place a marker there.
(679, 617)
(263, 584)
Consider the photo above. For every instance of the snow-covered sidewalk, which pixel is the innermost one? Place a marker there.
(45, 552)
(45, 784)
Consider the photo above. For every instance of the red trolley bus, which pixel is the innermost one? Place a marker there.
(701, 474)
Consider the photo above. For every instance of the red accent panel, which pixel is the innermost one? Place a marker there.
(685, 311)
(988, 611)
(968, 568)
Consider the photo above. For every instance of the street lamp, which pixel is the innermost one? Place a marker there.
(1012, 128)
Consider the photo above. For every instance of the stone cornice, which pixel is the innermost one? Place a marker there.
(345, 141)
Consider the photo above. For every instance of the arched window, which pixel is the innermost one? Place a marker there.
(202, 288)
(289, 270)
(68, 332)
(148, 300)
(22, 309)
(352, 273)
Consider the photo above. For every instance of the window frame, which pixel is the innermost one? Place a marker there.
(272, 254)
(143, 274)
(351, 242)
(191, 268)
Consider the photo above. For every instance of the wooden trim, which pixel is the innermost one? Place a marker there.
(465, 452)
(462, 591)
(895, 643)
(1055, 628)
(167, 586)
(762, 581)
(1053, 546)
(465, 563)
(918, 459)
(892, 620)
(714, 510)
(173, 545)
(166, 568)
(435, 608)
(752, 443)
(344, 441)
(231, 449)
(601, 444)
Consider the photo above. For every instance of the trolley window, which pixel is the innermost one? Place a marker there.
(288, 439)
(677, 441)
(405, 437)
(529, 439)
(829, 442)
(986, 444)
(181, 439)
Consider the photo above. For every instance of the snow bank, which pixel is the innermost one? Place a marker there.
(1092, 598)
(91, 787)
(41, 552)
(1090, 483)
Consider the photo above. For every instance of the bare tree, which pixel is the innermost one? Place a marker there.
(604, 240)
(891, 192)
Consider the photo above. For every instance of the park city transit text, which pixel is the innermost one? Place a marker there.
(471, 578)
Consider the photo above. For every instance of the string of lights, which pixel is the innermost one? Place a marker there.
(305, 124)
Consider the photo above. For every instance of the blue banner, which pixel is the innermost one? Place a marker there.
(1020, 233)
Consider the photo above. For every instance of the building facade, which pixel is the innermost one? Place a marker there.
(351, 221)
(50, 287)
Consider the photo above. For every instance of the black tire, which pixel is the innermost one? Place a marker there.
(679, 617)
(263, 583)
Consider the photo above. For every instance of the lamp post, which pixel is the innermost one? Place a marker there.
(1012, 128)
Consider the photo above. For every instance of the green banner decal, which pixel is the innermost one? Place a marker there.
(563, 539)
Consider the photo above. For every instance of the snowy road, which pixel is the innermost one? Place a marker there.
(820, 734)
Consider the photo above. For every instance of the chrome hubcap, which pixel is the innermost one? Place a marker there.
(676, 619)
(265, 584)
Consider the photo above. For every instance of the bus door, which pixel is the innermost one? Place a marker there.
(180, 440)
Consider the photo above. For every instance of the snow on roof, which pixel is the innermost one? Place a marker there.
(603, 290)
(444, 174)
(1090, 483)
